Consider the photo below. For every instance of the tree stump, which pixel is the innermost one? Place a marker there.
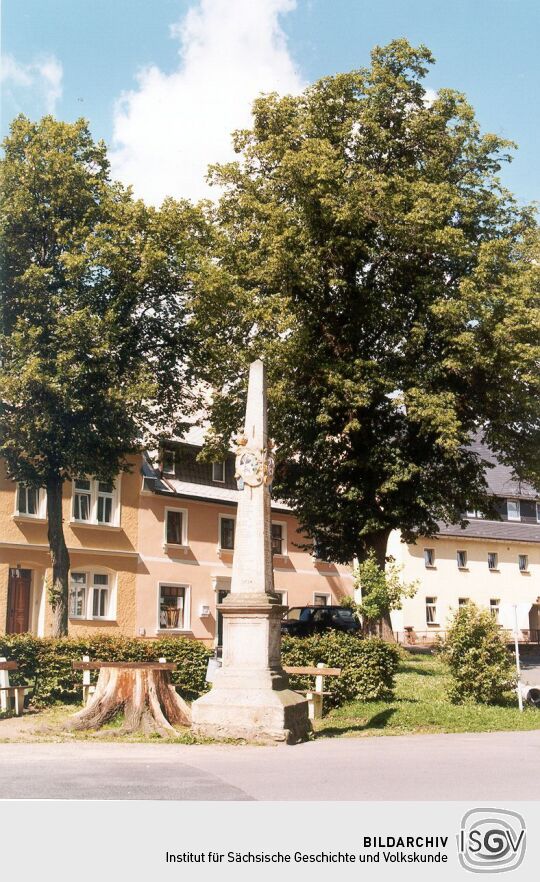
(143, 692)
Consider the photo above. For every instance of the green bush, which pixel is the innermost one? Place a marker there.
(480, 664)
(368, 666)
(45, 663)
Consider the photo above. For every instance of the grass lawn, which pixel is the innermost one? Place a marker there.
(421, 705)
(48, 725)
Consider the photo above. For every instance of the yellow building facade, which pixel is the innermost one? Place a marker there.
(101, 531)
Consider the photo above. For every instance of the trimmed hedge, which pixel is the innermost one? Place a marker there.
(368, 666)
(45, 663)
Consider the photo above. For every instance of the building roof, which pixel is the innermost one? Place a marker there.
(213, 494)
(167, 485)
(502, 530)
(502, 483)
(500, 479)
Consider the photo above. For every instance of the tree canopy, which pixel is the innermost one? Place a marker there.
(94, 336)
(370, 254)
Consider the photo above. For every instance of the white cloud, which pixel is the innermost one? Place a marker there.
(168, 130)
(43, 77)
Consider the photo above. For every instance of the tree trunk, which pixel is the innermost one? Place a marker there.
(146, 697)
(378, 542)
(59, 592)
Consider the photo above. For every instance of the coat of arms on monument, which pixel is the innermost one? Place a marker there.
(253, 466)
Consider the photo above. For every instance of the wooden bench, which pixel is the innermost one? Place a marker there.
(8, 692)
(315, 697)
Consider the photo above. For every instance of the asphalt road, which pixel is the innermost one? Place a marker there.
(471, 767)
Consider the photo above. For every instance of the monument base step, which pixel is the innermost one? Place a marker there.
(263, 716)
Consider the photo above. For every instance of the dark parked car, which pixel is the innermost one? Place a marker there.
(302, 621)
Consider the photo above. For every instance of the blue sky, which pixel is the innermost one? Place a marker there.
(165, 81)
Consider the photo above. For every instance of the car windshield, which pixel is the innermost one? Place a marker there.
(298, 614)
(343, 614)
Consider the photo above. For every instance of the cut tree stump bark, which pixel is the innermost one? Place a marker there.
(143, 692)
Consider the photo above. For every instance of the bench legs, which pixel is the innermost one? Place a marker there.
(17, 693)
(19, 700)
(315, 705)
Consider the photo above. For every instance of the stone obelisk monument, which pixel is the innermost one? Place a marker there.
(250, 697)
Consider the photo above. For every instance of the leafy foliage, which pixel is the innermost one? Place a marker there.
(369, 253)
(94, 335)
(481, 666)
(45, 663)
(368, 666)
(382, 588)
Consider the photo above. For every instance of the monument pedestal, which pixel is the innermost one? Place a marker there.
(250, 697)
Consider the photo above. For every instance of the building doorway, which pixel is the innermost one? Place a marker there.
(221, 595)
(18, 609)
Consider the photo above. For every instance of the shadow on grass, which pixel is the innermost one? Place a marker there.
(410, 668)
(378, 721)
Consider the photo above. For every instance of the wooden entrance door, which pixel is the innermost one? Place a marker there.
(18, 611)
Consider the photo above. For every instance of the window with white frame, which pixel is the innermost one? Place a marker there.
(90, 595)
(77, 595)
(105, 502)
(431, 610)
(218, 472)
(175, 526)
(513, 510)
(100, 596)
(279, 538)
(82, 499)
(463, 601)
(494, 607)
(173, 607)
(320, 599)
(523, 563)
(493, 560)
(31, 501)
(461, 557)
(226, 532)
(282, 597)
(95, 502)
(429, 557)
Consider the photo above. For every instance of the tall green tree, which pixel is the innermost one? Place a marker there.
(369, 252)
(94, 340)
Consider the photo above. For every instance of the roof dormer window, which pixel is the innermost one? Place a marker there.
(513, 510)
